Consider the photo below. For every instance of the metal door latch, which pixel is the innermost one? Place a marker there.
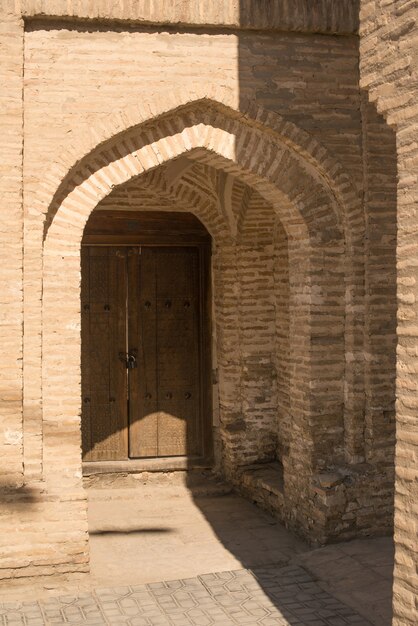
(129, 359)
(131, 362)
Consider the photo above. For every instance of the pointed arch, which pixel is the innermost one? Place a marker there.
(311, 195)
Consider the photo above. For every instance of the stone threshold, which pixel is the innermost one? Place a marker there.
(126, 485)
(134, 466)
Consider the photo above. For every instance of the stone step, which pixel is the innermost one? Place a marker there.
(202, 483)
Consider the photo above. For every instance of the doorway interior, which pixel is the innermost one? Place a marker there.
(146, 341)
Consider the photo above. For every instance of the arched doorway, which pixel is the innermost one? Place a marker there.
(145, 341)
(320, 227)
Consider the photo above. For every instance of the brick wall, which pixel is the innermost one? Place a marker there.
(11, 112)
(389, 65)
(293, 175)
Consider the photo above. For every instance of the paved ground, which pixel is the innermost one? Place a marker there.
(224, 561)
(266, 596)
(359, 573)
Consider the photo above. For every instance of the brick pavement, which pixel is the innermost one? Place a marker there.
(265, 596)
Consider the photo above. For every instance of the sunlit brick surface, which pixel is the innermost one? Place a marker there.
(260, 123)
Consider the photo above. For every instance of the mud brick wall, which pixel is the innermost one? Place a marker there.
(253, 119)
(388, 66)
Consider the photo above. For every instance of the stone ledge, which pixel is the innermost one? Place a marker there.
(263, 483)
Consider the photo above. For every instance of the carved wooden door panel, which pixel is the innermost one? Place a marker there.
(164, 311)
(103, 339)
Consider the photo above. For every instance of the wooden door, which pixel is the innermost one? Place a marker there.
(165, 410)
(103, 340)
(144, 302)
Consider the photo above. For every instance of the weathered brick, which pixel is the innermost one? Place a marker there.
(261, 130)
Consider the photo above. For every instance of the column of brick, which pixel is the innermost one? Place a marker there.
(11, 225)
(257, 329)
(282, 342)
(380, 326)
(389, 66)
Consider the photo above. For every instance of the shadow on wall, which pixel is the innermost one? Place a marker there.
(14, 499)
(349, 126)
(269, 72)
(238, 532)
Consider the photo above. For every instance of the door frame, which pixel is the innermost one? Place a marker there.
(152, 234)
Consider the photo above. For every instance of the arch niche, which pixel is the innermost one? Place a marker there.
(320, 216)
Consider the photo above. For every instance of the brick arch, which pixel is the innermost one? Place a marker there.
(94, 134)
(224, 143)
(304, 154)
(311, 211)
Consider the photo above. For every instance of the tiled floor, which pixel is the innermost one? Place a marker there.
(265, 596)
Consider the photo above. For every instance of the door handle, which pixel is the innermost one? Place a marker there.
(129, 359)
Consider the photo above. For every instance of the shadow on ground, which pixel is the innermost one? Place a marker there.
(162, 530)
